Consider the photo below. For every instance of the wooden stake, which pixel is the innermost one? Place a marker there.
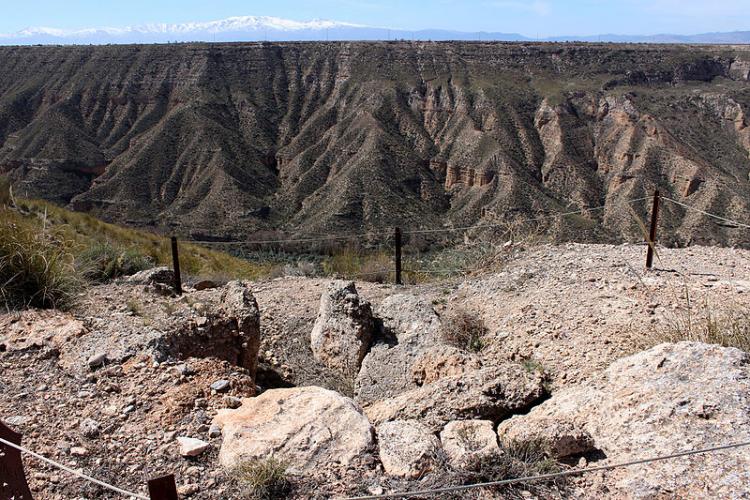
(398, 256)
(163, 488)
(12, 478)
(652, 234)
(176, 266)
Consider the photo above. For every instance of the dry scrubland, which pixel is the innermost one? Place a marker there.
(547, 357)
(231, 140)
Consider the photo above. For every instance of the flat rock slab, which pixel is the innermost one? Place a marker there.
(670, 398)
(309, 427)
(489, 393)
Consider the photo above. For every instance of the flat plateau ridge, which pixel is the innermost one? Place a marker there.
(223, 140)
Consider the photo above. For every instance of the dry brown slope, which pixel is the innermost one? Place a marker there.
(223, 140)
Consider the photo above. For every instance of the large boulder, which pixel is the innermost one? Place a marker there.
(344, 329)
(407, 448)
(492, 393)
(410, 325)
(466, 442)
(670, 398)
(309, 427)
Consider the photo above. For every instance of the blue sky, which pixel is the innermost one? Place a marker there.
(529, 17)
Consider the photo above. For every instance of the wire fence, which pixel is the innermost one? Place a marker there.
(542, 477)
(409, 494)
(74, 472)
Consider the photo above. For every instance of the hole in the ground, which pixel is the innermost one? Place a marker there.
(591, 456)
(268, 378)
(220, 338)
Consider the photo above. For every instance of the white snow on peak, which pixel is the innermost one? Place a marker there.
(231, 24)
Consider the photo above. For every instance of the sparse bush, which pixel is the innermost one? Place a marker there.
(36, 267)
(728, 328)
(351, 263)
(263, 479)
(464, 330)
(103, 262)
(301, 269)
(518, 459)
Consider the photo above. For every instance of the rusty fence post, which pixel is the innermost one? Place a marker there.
(163, 488)
(398, 255)
(652, 234)
(12, 477)
(176, 266)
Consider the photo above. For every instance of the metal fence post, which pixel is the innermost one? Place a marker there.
(163, 488)
(398, 255)
(12, 477)
(652, 234)
(176, 266)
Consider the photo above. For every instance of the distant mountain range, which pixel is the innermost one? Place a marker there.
(258, 28)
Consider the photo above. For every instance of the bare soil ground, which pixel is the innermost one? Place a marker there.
(570, 310)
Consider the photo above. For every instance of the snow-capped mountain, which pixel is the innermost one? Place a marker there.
(231, 29)
(259, 28)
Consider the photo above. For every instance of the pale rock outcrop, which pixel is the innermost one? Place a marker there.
(468, 441)
(443, 361)
(670, 398)
(410, 325)
(222, 323)
(191, 447)
(309, 427)
(407, 448)
(160, 275)
(488, 393)
(344, 328)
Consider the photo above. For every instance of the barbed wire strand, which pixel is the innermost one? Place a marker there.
(416, 231)
(709, 214)
(73, 471)
(575, 472)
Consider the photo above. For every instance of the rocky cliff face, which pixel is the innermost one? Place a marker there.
(225, 140)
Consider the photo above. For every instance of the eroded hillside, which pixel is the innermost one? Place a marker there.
(224, 140)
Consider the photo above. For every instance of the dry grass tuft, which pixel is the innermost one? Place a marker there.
(728, 328)
(464, 330)
(263, 479)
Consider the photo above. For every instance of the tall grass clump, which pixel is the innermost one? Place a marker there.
(102, 262)
(36, 267)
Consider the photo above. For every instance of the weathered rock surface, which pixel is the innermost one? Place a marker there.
(671, 398)
(407, 448)
(222, 322)
(489, 393)
(468, 441)
(344, 328)
(410, 325)
(443, 361)
(309, 427)
(160, 275)
(191, 447)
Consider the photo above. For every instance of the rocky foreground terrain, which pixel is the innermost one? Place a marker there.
(220, 141)
(368, 389)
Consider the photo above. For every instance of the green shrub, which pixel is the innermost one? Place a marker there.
(263, 479)
(103, 262)
(36, 266)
